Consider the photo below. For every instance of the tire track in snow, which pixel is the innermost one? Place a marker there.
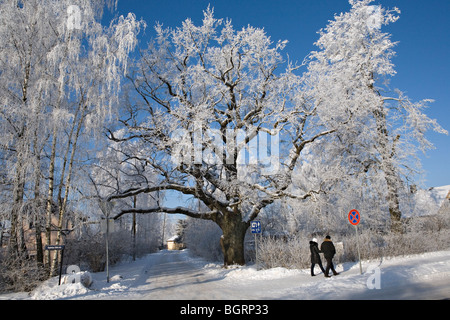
(172, 276)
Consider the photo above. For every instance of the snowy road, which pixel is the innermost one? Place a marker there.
(171, 275)
(175, 275)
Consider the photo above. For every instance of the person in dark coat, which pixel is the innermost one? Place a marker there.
(315, 257)
(328, 249)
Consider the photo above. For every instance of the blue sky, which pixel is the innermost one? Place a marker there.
(422, 61)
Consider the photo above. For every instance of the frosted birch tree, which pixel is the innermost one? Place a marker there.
(61, 72)
(223, 119)
(351, 70)
(97, 80)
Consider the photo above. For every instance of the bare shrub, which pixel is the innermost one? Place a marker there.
(293, 252)
(89, 251)
(202, 238)
(18, 274)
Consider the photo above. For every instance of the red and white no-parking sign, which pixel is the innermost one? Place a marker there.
(354, 217)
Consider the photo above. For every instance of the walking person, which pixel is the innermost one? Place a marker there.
(328, 249)
(315, 257)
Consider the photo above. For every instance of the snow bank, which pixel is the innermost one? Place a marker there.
(76, 284)
(176, 275)
(252, 273)
(50, 290)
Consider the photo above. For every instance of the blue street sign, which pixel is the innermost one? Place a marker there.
(255, 226)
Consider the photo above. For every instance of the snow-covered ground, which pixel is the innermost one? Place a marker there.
(176, 275)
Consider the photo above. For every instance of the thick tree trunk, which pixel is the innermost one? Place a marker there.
(232, 240)
(390, 174)
(393, 198)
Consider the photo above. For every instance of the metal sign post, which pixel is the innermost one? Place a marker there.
(58, 248)
(354, 218)
(255, 227)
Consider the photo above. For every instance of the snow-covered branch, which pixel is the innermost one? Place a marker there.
(211, 215)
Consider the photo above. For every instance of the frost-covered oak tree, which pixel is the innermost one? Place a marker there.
(223, 119)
